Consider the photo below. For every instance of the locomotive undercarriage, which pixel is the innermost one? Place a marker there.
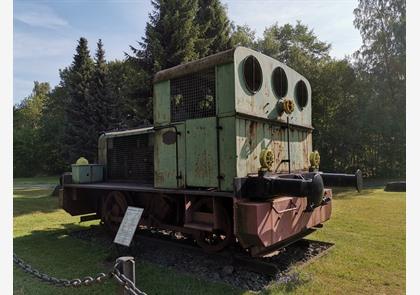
(214, 219)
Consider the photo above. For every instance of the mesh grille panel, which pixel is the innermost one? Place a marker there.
(130, 158)
(193, 96)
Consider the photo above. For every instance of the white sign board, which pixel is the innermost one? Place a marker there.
(128, 226)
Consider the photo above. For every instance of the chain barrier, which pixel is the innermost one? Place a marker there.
(86, 281)
(126, 282)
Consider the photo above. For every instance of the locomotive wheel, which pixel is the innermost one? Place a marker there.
(113, 210)
(216, 240)
(162, 210)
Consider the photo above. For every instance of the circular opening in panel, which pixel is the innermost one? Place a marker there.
(279, 82)
(252, 74)
(301, 93)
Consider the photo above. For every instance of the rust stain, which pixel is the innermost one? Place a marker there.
(305, 151)
(159, 178)
(252, 132)
(203, 167)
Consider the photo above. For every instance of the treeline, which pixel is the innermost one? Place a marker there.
(358, 102)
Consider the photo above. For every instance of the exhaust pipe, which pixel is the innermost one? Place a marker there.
(347, 180)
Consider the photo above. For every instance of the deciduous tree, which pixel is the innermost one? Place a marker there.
(381, 63)
(27, 157)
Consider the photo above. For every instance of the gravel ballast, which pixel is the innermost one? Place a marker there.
(162, 248)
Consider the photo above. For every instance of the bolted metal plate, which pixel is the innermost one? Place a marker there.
(169, 137)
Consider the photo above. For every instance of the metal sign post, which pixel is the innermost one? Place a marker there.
(127, 267)
(124, 237)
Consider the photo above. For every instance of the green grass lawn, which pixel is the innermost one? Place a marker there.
(51, 180)
(369, 257)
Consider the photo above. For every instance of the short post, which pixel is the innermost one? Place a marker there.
(126, 266)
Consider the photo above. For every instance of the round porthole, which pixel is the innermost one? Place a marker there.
(252, 74)
(301, 94)
(279, 82)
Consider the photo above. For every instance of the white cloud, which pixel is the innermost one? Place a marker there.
(39, 16)
(34, 46)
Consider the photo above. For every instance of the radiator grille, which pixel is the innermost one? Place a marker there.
(193, 96)
(130, 158)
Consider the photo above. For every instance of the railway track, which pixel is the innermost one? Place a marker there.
(274, 263)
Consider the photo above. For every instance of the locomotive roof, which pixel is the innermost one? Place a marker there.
(198, 65)
(195, 66)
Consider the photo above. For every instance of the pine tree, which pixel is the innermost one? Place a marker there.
(215, 28)
(51, 133)
(79, 138)
(134, 103)
(103, 104)
(171, 36)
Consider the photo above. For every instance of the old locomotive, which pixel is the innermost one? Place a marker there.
(227, 158)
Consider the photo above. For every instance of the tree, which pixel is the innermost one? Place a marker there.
(27, 115)
(297, 46)
(127, 83)
(336, 109)
(51, 133)
(80, 138)
(335, 99)
(171, 36)
(215, 28)
(243, 36)
(381, 62)
(103, 102)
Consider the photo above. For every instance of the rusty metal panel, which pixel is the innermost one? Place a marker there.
(161, 103)
(263, 102)
(225, 89)
(165, 158)
(300, 148)
(253, 136)
(201, 152)
(227, 147)
(262, 224)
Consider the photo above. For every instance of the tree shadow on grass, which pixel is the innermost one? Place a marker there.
(27, 201)
(350, 193)
(56, 252)
(31, 191)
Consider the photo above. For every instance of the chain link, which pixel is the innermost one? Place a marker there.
(126, 282)
(86, 281)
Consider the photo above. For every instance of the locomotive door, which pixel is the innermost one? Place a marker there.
(201, 152)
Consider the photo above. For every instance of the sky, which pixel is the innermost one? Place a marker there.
(46, 31)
